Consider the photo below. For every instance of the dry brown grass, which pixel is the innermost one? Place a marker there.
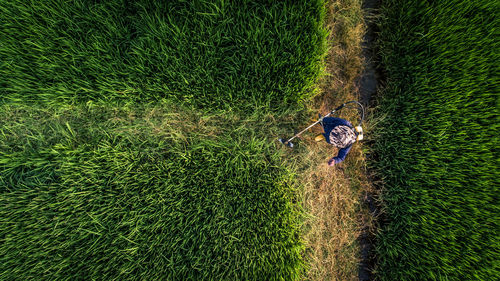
(333, 195)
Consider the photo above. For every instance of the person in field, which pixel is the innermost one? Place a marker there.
(340, 133)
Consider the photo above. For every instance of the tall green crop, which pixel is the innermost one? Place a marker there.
(88, 194)
(134, 138)
(437, 148)
(210, 54)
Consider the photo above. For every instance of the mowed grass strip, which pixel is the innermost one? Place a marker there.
(154, 194)
(208, 54)
(437, 148)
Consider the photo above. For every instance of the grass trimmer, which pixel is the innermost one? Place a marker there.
(359, 129)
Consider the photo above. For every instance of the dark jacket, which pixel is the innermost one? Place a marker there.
(328, 124)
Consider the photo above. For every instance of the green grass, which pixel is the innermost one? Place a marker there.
(137, 138)
(209, 54)
(437, 146)
(88, 193)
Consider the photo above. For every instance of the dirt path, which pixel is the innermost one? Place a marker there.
(368, 84)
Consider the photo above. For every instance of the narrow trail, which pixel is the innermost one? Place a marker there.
(369, 79)
(368, 84)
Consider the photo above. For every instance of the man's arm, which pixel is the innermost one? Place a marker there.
(340, 156)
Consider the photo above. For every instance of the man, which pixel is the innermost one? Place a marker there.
(340, 133)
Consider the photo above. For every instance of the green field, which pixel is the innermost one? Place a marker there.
(211, 54)
(437, 146)
(136, 138)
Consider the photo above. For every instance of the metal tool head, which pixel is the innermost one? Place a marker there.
(283, 141)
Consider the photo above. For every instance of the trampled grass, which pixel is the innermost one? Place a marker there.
(102, 177)
(333, 197)
(437, 148)
(210, 54)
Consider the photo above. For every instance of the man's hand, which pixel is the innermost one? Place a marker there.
(331, 162)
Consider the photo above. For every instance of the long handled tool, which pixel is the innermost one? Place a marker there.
(360, 130)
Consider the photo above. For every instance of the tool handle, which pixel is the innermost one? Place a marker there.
(321, 119)
(338, 108)
(298, 134)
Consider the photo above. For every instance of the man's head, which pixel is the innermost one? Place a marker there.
(342, 136)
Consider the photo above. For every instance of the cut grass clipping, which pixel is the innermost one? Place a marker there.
(156, 198)
(210, 54)
(101, 178)
(438, 145)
